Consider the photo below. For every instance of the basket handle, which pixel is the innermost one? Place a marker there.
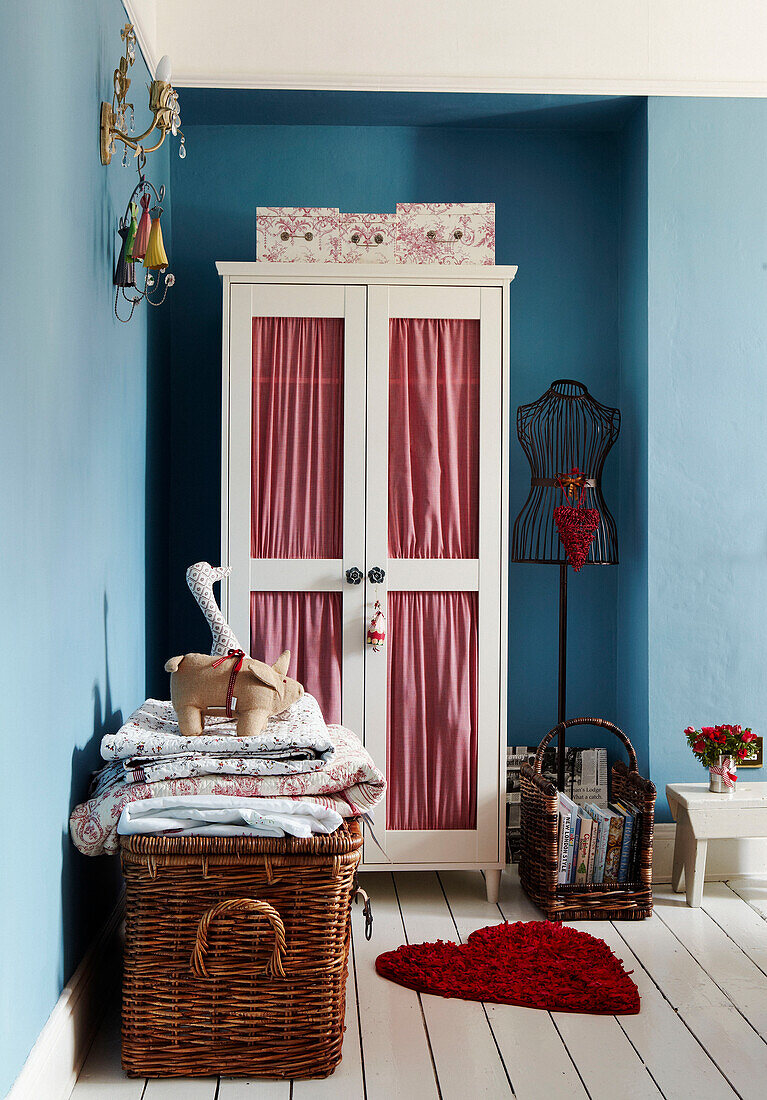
(560, 732)
(239, 905)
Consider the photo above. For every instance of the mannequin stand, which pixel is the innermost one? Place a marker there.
(562, 691)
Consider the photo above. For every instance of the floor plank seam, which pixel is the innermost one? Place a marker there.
(484, 1006)
(359, 1019)
(740, 948)
(418, 995)
(713, 979)
(639, 1056)
(759, 913)
(678, 1014)
(450, 911)
(569, 1055)
(554, 1024)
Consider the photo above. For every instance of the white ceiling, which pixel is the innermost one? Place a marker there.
(615, 47)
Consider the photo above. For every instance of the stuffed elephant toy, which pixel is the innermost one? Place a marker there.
(199, 685)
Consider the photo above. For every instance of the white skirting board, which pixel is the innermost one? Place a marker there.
(55, 1060)
(726, 858)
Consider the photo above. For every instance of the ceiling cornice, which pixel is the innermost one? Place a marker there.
(533, 86)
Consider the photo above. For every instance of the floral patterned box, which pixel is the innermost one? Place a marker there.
(367, 238)
(445, 233)
(305, 234)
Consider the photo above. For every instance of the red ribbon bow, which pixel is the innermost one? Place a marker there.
(730, 778)
(237, 655)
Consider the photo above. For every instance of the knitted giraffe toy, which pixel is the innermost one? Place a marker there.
(201, 577)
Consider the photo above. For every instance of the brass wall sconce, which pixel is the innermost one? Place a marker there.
(117, 117)
(139, 228)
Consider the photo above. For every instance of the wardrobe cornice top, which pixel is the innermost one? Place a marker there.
(478, 275)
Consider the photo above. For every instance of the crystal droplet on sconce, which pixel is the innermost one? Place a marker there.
(182, 150)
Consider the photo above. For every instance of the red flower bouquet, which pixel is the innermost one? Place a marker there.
(719, 748)
(711, 742)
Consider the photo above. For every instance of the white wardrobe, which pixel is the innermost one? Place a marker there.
(365, 430)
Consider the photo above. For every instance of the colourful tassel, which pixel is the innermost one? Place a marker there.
(142, 234)
(133, 230)
(155, 257)
(125, 274)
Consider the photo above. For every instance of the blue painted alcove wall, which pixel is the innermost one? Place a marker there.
(77, 388)
(706, 409)
(558, 213)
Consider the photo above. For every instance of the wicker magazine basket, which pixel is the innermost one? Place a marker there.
(236, 954)
(538, 869)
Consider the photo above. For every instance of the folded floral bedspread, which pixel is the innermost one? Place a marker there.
(226, 815)
(349, 783)
(298, 735)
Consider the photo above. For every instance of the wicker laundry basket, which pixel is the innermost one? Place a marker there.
(538, 869)
(236, 954)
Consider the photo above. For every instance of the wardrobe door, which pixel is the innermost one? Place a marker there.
(293, 489)
(434, 429)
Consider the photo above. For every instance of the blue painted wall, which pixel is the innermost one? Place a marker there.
(707, 402)
(557, 216)
(633, 638)
(73, 464)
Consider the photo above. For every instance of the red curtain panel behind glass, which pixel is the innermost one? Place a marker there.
(433, 513)
(297, 491)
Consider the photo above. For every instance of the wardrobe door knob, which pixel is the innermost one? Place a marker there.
(354, 575)
(376, 575)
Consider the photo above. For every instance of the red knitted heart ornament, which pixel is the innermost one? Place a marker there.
(577, 528)
(535, 964)
(576, 525)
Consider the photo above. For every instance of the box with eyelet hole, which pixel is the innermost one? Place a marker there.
(302, 234)
(367, 238)
(445, 233)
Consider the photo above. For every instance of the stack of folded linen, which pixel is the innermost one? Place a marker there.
(299, 777)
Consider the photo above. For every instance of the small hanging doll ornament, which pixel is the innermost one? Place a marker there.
(377, 628)
(577, 526)
(141, 240)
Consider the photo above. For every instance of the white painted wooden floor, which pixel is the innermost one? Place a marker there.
(701, 1033)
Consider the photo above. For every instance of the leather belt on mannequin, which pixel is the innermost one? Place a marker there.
(551, 482)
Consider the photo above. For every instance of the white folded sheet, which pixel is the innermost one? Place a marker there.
(226, 815)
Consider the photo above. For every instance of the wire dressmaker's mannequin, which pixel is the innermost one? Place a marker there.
(563, 429)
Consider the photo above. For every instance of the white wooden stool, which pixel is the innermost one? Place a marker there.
(701, 816)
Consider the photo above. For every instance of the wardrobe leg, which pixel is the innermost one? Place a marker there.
(493, 885)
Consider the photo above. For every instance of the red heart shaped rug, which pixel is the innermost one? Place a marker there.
(536, 964)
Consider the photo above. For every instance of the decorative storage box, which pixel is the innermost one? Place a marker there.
(307, 234)
(236, 954)
(445, 233)
(367, 238)
(539, 863)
